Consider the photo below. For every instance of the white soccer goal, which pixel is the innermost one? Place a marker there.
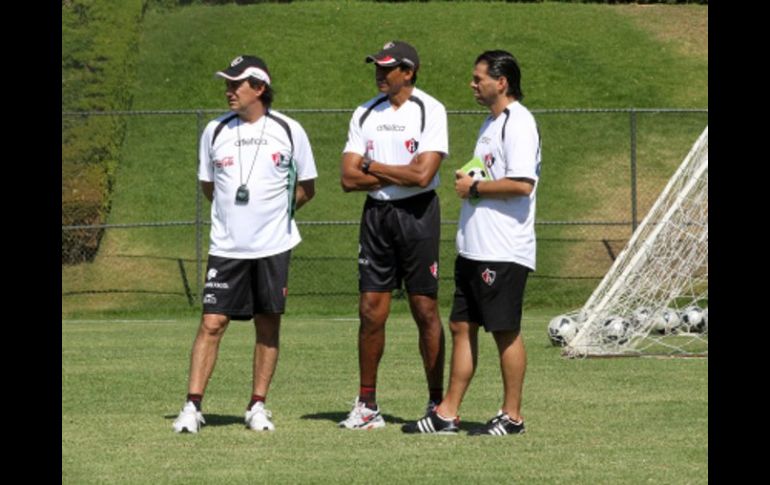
(654, 298)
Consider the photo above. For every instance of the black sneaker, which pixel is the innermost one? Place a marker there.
(500, 425)
(432, 423)
(430, 407)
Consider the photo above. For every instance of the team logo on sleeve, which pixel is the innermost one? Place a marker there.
(488, 276)
(280, 158)
(411, 145)
(211, 274)
(369, 145)
(224, 162)
(434, 269)
(489, 160)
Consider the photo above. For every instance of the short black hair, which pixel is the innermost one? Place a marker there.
(406, 67)
(502, 64)
(267, 95)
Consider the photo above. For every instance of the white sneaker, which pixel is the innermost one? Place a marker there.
(189, 419)
(361, 417)
(258, 418)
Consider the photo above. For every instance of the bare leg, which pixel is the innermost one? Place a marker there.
(513, 364)
(431, 337)
(465, 352)
(268, 326)
(373, 311)
(205, 350)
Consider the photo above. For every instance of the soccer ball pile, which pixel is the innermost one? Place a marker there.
(691, 319)
(562, 329)
(618, 330)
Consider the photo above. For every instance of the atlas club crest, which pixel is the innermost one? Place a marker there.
(488, 276)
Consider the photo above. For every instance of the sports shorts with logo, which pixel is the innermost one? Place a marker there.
(241, 288)
(399, 241)
(489, 293)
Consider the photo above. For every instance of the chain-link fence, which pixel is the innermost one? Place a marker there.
(145, 247)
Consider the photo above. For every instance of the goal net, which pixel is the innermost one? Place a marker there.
(654, 298)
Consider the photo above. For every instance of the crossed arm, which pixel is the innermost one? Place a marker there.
(419, 172)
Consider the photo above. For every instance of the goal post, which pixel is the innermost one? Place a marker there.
(654, 298)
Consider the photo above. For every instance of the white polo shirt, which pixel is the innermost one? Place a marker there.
(395, 137)
(228, 146)
(504, 229)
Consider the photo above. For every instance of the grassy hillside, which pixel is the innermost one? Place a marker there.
(572, 56)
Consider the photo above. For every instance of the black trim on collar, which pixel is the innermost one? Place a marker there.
(415, 99)
(369, 110)
(220, 126)
(285, 126)
(507, 115)
(422, 111)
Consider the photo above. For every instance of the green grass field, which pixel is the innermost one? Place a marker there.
(588, 421)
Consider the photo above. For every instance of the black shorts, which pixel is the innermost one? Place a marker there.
(489, 293)
(399, 240)
(241, 288)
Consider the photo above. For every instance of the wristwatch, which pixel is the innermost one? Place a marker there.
(365, 165)
(474, 190)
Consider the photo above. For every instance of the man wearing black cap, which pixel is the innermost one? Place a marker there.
(396, 142)
(256, 167)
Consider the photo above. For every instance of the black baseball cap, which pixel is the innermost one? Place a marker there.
(246, 66)
(394, 53)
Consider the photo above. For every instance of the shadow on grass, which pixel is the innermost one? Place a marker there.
(337, 417)
(469, 425)
(389, 419)
(216, 419)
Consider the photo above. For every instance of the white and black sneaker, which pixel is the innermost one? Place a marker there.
(500, 425)
(189, 419)
(258, 418)
(432, 423)
(361, 417)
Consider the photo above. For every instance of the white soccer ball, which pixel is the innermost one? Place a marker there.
(658, 324)
(562, 329)
(616, 330)
(641, 315)
(581, 317)
(671, 321)
(477, 173)
(692, 318)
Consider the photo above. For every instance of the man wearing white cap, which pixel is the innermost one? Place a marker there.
(396, 142)
(256, 167)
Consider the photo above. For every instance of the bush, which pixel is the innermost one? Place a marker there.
(99, 45)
